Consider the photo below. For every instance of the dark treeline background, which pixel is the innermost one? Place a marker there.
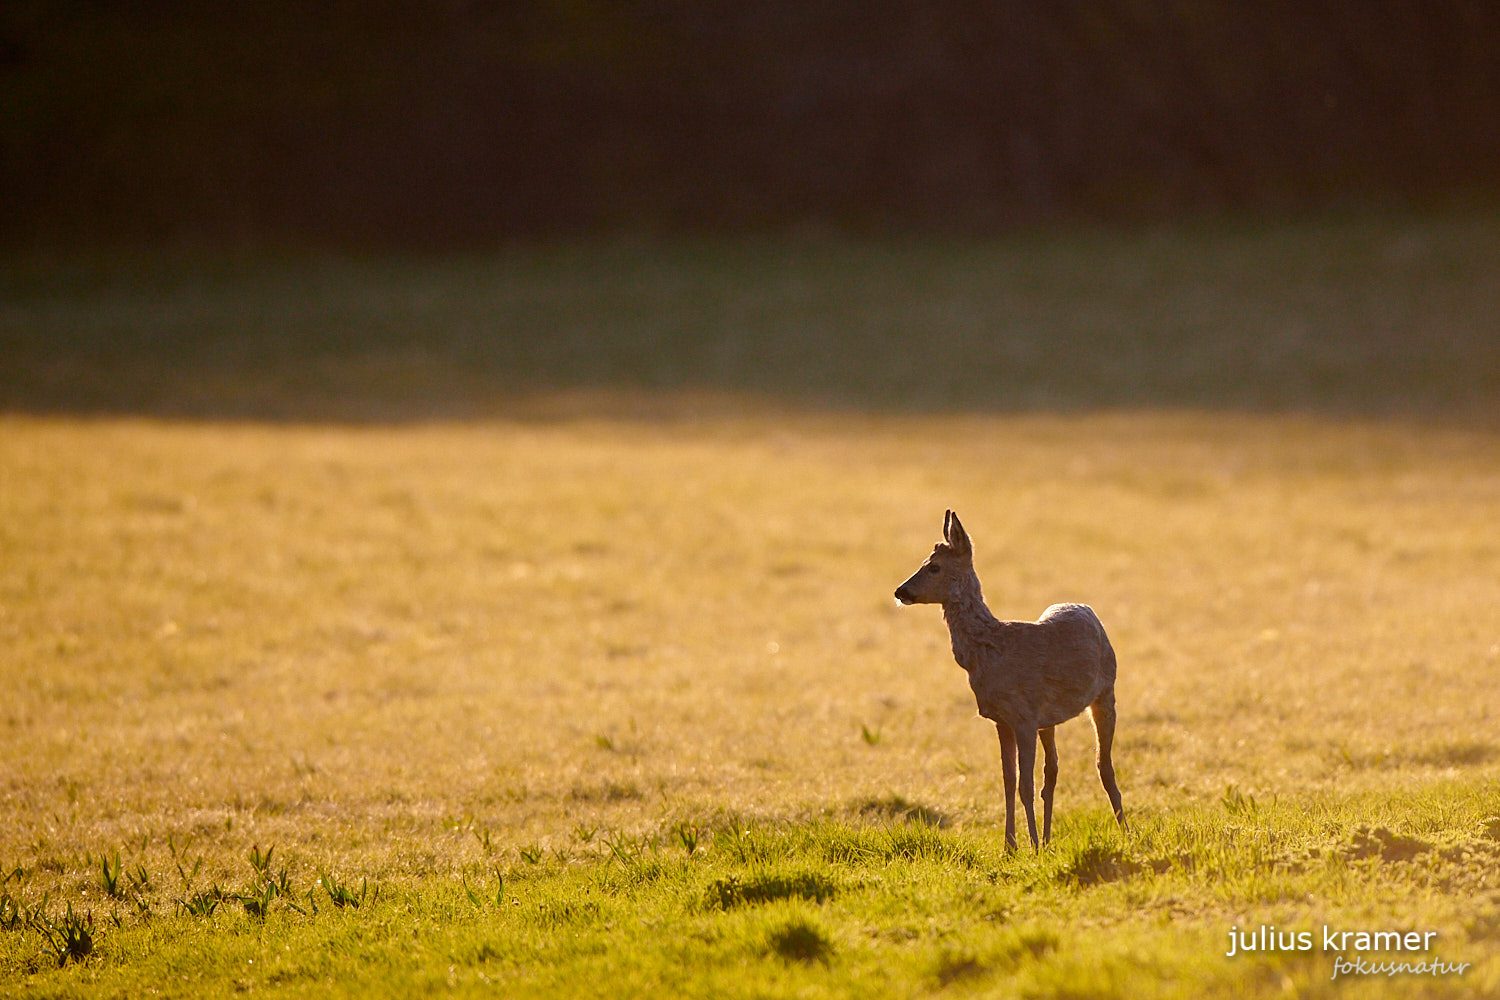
(464, 122)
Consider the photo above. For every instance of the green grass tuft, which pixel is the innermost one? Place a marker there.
(896, 807)
(762, 887)
(800, 940)
(861, 845)
(1093, 863)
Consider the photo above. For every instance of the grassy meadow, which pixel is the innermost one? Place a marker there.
(522, 625)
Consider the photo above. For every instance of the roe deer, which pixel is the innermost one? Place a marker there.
(1026, 676)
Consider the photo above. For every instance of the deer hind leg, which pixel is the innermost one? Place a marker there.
(1008, 769)
(1103, 711)
(1026, 765)
(1049, 779)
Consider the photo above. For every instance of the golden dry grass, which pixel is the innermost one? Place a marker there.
(352, 641)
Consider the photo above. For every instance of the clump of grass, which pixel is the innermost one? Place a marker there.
(924, 842)
(906, 842)
(1033, 944)
(139, 880)
(202, 903)
(800, 940)
(258, 898)
(70, 938)
(897, 807)
(184, 871)
(341, 894)
(687, 835)
(481, 900)
(764, 887)
(1378, 842)
(954, 966)
(630, 852)
(260, 861)
(1093, 864)
(1459, 753)
(1005, 955)
(607, 791)
(109, 875)
(1010, 953)
(12, 914)
(748, 845)
(265, 887)
(1236, 802)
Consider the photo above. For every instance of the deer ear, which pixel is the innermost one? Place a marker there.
(948, 526)
(956, 535)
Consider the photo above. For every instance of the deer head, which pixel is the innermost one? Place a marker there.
(945, 572)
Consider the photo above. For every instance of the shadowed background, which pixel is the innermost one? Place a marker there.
(393, 210)
(465, 122)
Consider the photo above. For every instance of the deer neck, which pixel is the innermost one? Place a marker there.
(970, 624)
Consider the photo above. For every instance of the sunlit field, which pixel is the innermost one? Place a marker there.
(603, 691)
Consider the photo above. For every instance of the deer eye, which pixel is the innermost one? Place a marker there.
(934, 568)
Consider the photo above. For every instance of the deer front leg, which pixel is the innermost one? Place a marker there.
(1026, 764)
(1008, 771)
(1049, 779)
